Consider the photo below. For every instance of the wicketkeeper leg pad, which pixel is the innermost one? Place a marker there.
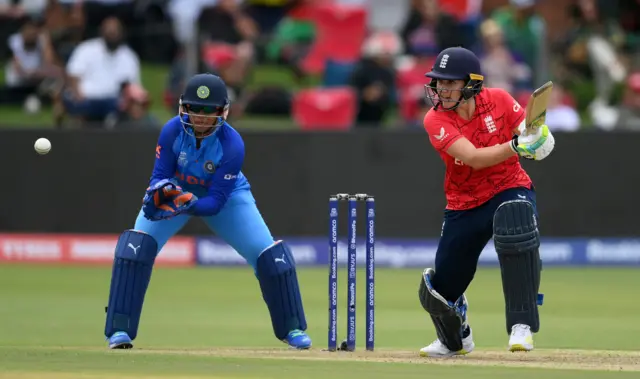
(517, 239)
(276, 272)
(132, 265)
(449, 319)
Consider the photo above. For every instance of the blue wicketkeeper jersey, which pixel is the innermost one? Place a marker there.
(212, 172)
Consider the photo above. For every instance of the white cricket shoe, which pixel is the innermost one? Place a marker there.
(438, 350)
(521, 338)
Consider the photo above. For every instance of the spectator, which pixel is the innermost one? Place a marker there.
(32, 66)
(469, 15)
(13, 13)
(96, 11)
(23, 8)
(591, 53)
(374, 79)
(428, 30)
(229, 47)
(176, 80)
(184, 16)
(293, 39)
(97, 70)
(499, 66)
(134, 110)
(526, 36)
(65, 22)
(268, 13)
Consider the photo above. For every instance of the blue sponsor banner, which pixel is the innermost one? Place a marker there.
(421, 252)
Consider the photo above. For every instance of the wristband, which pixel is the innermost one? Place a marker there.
(514, 144)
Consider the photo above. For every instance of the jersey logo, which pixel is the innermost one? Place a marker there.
(490, 124)
(182, 159)
(444, 60)
(440, 136)
(209, 167)
(516, 106)
(134, 248)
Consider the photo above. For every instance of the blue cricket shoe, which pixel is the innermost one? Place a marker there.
(120, 340)
(298, 339)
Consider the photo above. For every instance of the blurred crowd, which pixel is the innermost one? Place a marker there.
(353, 63)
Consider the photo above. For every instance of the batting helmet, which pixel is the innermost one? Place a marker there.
(205, 96)
(455, 63)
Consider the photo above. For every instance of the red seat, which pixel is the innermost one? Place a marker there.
(462, 10)
(410, 83)
(569, 100)
(218, 54)
(325, 108)
(340, 33)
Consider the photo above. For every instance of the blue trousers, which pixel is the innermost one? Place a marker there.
(89, 107)
(464, 235)
(239, 224)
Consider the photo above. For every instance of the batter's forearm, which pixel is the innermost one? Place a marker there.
(490, 156)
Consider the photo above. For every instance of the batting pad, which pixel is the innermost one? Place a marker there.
(517, 240)
(132, 266)
(276, 272)
(449, 323)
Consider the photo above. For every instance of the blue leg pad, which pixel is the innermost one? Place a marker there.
(276, 272)
(132, 266)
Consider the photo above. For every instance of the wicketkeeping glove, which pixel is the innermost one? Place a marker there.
(166, 199)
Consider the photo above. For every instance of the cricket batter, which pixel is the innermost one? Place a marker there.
(197, 172)
(479, 134)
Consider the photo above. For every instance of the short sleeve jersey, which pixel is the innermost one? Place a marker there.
(496, 117)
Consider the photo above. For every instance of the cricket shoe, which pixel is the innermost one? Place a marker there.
(438, 350)
(120, 340)
(521, 338)
(298, 339)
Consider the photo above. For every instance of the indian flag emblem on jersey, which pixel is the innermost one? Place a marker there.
(203, 92)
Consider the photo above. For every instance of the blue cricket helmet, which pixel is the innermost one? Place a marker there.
(455, 63)
(205, 95)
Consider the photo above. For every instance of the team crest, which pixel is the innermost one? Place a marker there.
(209, 167)
(203, 92)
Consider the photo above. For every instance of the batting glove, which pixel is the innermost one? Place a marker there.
(535, 146)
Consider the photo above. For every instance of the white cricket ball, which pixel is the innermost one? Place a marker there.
(42, 146)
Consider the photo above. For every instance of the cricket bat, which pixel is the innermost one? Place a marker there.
(537, 107)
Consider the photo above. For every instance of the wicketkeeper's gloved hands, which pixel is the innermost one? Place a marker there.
(159, 192)
(166, 199)
(535, 146)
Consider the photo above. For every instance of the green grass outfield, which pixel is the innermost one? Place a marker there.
(211, 322)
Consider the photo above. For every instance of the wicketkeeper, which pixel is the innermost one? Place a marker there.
(198, 173)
